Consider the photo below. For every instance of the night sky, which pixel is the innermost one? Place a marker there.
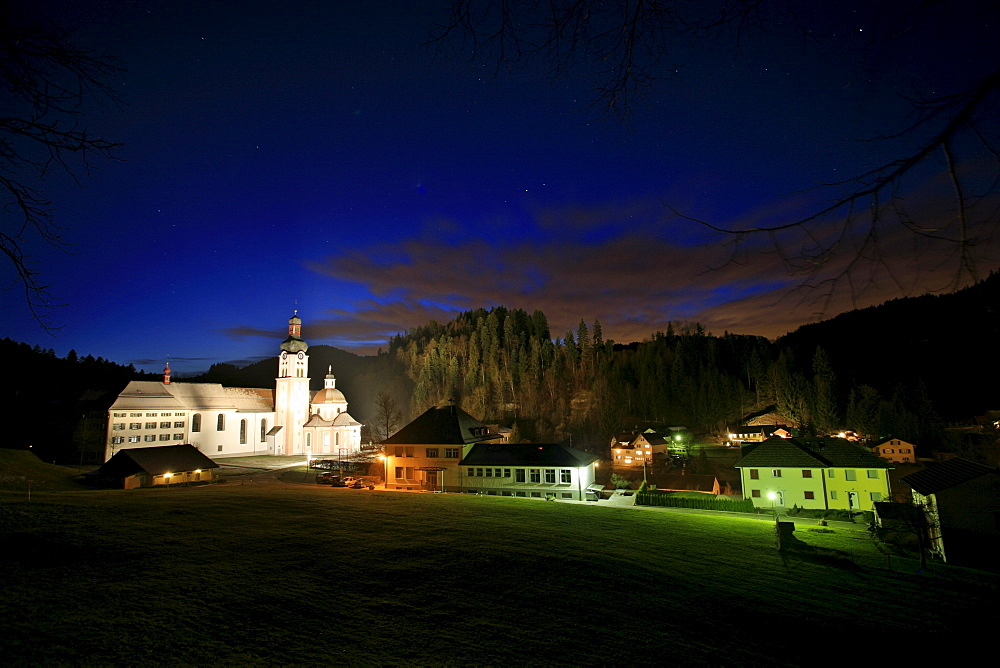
(323, 156)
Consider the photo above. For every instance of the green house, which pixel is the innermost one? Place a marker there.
(818, 473)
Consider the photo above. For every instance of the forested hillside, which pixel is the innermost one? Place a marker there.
(898, 369)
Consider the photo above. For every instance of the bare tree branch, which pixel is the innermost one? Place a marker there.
(47, 82)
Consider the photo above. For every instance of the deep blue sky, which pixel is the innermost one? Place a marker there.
(324, 157)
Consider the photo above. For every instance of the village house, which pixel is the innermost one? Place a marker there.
(825, 473)
(424, 454)
(896, 451)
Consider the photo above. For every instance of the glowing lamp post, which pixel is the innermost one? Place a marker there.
(385, 470)
(167, 477)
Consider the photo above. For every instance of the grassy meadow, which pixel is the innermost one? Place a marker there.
(273, 573)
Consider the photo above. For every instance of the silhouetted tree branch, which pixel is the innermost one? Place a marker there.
(47, 80)
(953, 138)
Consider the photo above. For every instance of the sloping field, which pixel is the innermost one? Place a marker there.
(273, 574)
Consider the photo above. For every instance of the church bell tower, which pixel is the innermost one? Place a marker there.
(291, 391)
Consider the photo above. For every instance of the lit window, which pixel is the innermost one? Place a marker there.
(133, 439)
(117, 439)
(149, 438)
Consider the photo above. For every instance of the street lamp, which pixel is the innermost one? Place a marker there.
(385, 469)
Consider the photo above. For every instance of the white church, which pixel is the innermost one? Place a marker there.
(238, 422)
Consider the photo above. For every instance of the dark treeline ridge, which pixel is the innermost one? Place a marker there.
(899, 369)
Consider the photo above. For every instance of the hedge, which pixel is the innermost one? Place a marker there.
(658, 498)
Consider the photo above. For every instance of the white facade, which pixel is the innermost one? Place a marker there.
(235, 422)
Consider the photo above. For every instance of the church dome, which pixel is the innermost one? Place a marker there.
(329, 395)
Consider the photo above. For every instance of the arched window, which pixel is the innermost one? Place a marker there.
(309, 440)
(243, 432)
(336, 438)
(196, 422)
(263, 430)
(220, 424)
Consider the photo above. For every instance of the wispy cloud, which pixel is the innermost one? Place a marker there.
(624, 265)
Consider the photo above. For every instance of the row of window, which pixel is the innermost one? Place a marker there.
(849, 474)
(522, 475)
(120, 426)
(148, 438)
(875, 496)
(434, 453)
(220, 425)
(148, 414)
(504, 492)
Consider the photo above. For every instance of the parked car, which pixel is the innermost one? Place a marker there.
(351, 481)
(326, 478)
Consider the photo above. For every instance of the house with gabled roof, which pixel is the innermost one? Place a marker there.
(961, 501)
(896, 450)
(424, 454)
(158, 465)
(531, 470)
(821, 473)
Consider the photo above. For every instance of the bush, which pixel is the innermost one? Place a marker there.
(710, 502)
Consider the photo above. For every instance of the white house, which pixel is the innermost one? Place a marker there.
(231, 421)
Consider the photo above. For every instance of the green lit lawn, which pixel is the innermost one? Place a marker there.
(309, 574)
